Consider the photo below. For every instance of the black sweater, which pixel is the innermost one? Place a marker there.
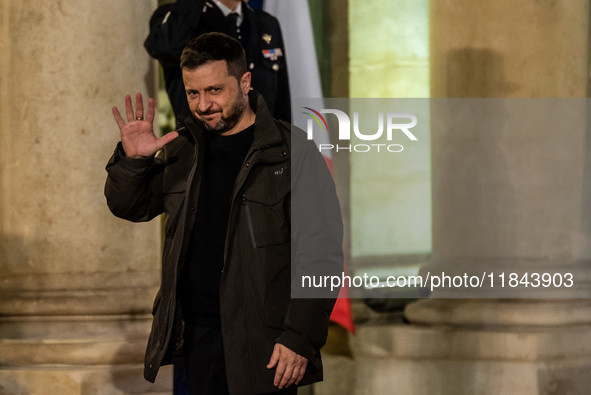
(200, 278)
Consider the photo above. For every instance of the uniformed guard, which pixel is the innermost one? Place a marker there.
(173, 25)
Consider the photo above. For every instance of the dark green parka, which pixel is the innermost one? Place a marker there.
(265, 252)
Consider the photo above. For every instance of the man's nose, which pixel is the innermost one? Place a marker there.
(204, 103)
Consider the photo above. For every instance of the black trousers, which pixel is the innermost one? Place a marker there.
(204, 367)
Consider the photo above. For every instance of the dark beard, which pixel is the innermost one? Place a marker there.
(226, 123)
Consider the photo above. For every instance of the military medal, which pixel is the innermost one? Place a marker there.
(272, 54)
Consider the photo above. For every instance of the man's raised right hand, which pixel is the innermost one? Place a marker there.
(137, 135)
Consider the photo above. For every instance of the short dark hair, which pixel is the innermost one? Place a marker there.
(211, 47)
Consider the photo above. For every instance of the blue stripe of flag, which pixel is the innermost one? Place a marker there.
(256, 4)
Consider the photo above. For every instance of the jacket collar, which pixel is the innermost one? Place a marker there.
(266, 132)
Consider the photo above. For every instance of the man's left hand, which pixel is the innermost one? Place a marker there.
(290, 366)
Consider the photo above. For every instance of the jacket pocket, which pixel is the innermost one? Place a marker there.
(174, 197)
(267, 224)
(172, 219)
(267, 215)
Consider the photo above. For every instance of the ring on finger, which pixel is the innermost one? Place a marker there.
(139, 118)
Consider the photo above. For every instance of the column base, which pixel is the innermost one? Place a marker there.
(76, 380)
(77, 355)
(412, 359)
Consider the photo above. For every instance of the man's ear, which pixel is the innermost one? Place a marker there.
(245, 82)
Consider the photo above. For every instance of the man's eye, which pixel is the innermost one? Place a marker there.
(216, 90)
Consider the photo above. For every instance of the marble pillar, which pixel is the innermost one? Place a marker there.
(506, 199)
(76, 283)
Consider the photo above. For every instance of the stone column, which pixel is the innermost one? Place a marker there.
(76, 283)
(506, 199)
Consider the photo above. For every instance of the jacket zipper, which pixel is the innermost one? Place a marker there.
(249, 220)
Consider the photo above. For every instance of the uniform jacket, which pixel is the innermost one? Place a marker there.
(173, 25)
(263, 250)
